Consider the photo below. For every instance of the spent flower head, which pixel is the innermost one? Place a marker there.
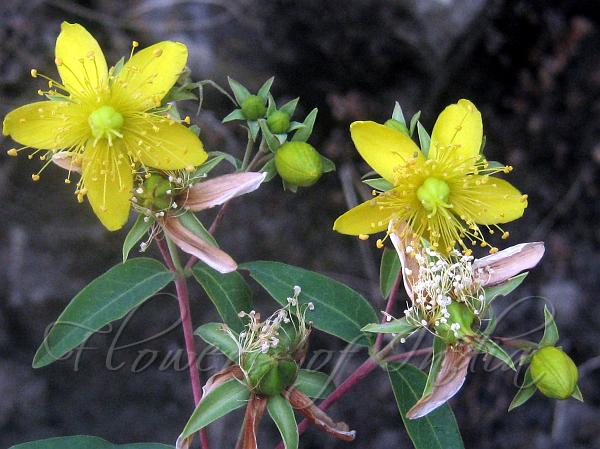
(109, 124)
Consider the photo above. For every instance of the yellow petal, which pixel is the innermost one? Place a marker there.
(366, 218)
(457, 133)
(108, 178)
(51, 125)
(80, 60)
(162, 143)
(383, 148)
(493, 202)
(149, 74)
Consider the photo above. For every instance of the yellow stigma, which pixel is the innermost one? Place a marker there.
(105, 123)
(433, 193)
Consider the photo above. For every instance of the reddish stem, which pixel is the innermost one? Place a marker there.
(188, 332)
(363, 371)
(389, 307)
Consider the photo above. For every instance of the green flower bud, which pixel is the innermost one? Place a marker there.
(278, 122)
(268, 375)
(155, 193)
(554, 373)
(459, 324)
(398, 126)
(298, 163)
(254, 107)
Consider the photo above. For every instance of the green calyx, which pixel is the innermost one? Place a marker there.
(106, 123)
(267, 374)
(278, 122)
(398, 126)
(459, 324)
(554, 373)
(254, 107)
(298, 163)
(155, 193)
(433, 194)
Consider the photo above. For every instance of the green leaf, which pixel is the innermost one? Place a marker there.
(577, 394)
(290, 106)
(229, 293)
(253, 128)
(85, 442)
(271, 105)
(271, 140)
(116, 69)
(496, 165)
(525, 392)
(398, 115)
(226, 398)
(208, 166)
(379, 184)
(399, 326)
(236, 114)
(424, 139)
(388, 271)
(338, 309)
(193, 224)
(314, 384)
(490, 347)
(328, 164)
(235, 162)
(503, 289)
(413, 122)
(239, 92)
(138, 230)
(303, 134)
(215, 335)
(437, 357)
(436, 430)
(106, 299)
(270, 169)
(550, 330)
(263, 92)
(282, 414)
(295, 125)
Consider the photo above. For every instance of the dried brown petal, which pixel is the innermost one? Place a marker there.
(497, 268)
(401, 238)
(254, 412)
(213, 192)
(64, 160)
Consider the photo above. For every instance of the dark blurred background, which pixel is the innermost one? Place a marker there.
(532, 68)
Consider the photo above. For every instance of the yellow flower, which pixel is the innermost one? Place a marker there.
(108, 123)
(447, 197)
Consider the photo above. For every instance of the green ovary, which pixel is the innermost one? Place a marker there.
(105, 123)
(433, 193)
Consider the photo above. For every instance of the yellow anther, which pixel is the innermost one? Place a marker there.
(58, 62)
(67, 181)
(524, 198)
(505, 235)
(12, 152)
(135, 44)
(40, 92)
(493, 250)
(187, 120)
(35, 177)
(34, 73)
(363, 236)
(157, 53)
(379, 243)
(90, 54)
(189, 168)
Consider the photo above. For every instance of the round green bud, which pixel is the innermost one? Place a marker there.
(155, 193)
(278, 122)
(554, 373)
(298, 163)
(105, 122)
(254, 107)
(268, 375)
(398, 126)
(433, 193)
(459, 324)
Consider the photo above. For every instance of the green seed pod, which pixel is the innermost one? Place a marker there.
(298, 163)
(459, 323)
(254, 107)
(155, 194)
(278, 122)
(398, 126)
(554, 373)
(268, 375)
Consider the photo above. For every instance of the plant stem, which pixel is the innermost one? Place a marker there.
(389, 307)
(248, 152)
(171, 258)
(367, 367)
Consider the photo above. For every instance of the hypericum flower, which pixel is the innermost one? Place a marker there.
(447, 197)
(108, 121)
